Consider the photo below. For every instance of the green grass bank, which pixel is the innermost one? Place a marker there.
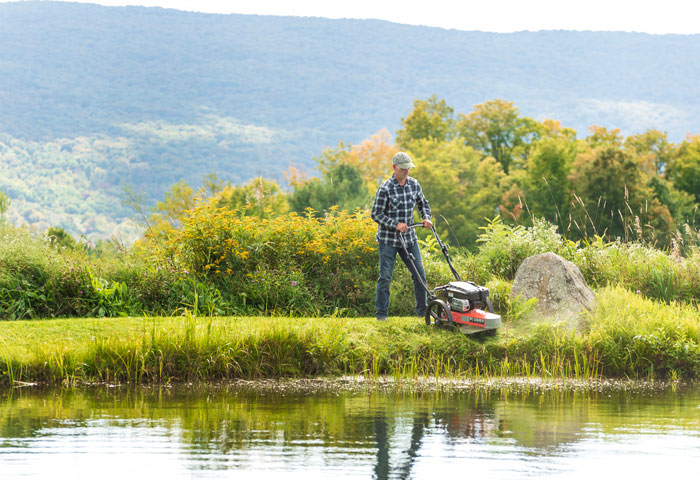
(627, 336)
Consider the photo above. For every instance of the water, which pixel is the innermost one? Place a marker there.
(214, 433)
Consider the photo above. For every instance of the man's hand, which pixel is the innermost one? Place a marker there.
(427, 224)
(402, 227)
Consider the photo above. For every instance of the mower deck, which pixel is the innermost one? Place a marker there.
(476, 321)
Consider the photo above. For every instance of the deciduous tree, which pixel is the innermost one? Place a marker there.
(684, 170)
(372, 157)
(612, 196)
(462, 187)
(430, 119)
(259, 197)
(496, 129)
(341, 185)
(654, 146)
(547, 185)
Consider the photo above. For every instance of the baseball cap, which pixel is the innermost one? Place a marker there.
(403, 160)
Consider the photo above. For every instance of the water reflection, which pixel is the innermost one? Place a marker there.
(400, 436)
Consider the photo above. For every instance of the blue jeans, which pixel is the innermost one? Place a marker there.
(387, 256)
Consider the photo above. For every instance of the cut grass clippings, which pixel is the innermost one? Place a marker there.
(627, 337)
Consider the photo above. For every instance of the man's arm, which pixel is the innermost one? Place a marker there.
(424, 208)
(378, 209)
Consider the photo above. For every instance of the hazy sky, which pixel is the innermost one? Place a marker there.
(651, 16)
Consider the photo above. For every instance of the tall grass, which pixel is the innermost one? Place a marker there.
(637, 266)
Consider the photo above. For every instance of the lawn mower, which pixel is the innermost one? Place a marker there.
(459, 304)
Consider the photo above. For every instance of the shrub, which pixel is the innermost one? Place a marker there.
(40, 279)
(291, 263)
(503, 247)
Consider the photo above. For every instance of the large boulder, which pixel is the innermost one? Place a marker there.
(559, 287)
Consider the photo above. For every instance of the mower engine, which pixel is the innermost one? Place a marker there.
(468, 306)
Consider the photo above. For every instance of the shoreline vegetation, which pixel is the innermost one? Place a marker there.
(626, 337)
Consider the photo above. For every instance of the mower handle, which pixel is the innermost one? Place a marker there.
(443, 247)
(414, 225)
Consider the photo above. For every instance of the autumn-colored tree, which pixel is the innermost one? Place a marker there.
(372, 158)
(295, 175)
(601, 136)
(430, 119)
(654, 147)
(497, 129)
(511, 207)
(553, 128)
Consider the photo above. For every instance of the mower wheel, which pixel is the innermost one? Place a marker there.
(439, 314)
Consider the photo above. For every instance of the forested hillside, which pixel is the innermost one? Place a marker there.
(93, 98)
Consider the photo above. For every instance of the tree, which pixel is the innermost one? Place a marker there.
(547, 185)
(554, 129)
(601, 136)
(430, 119)
(462, 187)
(342, 186)
(655, 147)
(680, 204)
(258, 198)
(372, 158)
(176, 202)
(496, 129)
(59, 238)
(613, 196)
(684, 170)
(212, 184)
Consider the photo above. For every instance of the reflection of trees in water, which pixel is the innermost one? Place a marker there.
(24, 413)
(546, 420)
(469, 424)
(387, 431)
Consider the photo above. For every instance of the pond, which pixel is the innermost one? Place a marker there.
(230, 431)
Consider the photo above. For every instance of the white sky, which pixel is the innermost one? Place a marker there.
(650, 16)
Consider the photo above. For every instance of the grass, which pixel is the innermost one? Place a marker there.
(628, 336)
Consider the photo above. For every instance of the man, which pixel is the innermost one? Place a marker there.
(393, 211)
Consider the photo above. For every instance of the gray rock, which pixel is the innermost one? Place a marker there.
(559, 287)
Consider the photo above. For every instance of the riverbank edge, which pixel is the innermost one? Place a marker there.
(356, 384)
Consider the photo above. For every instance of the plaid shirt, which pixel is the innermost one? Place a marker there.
(393, 205)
